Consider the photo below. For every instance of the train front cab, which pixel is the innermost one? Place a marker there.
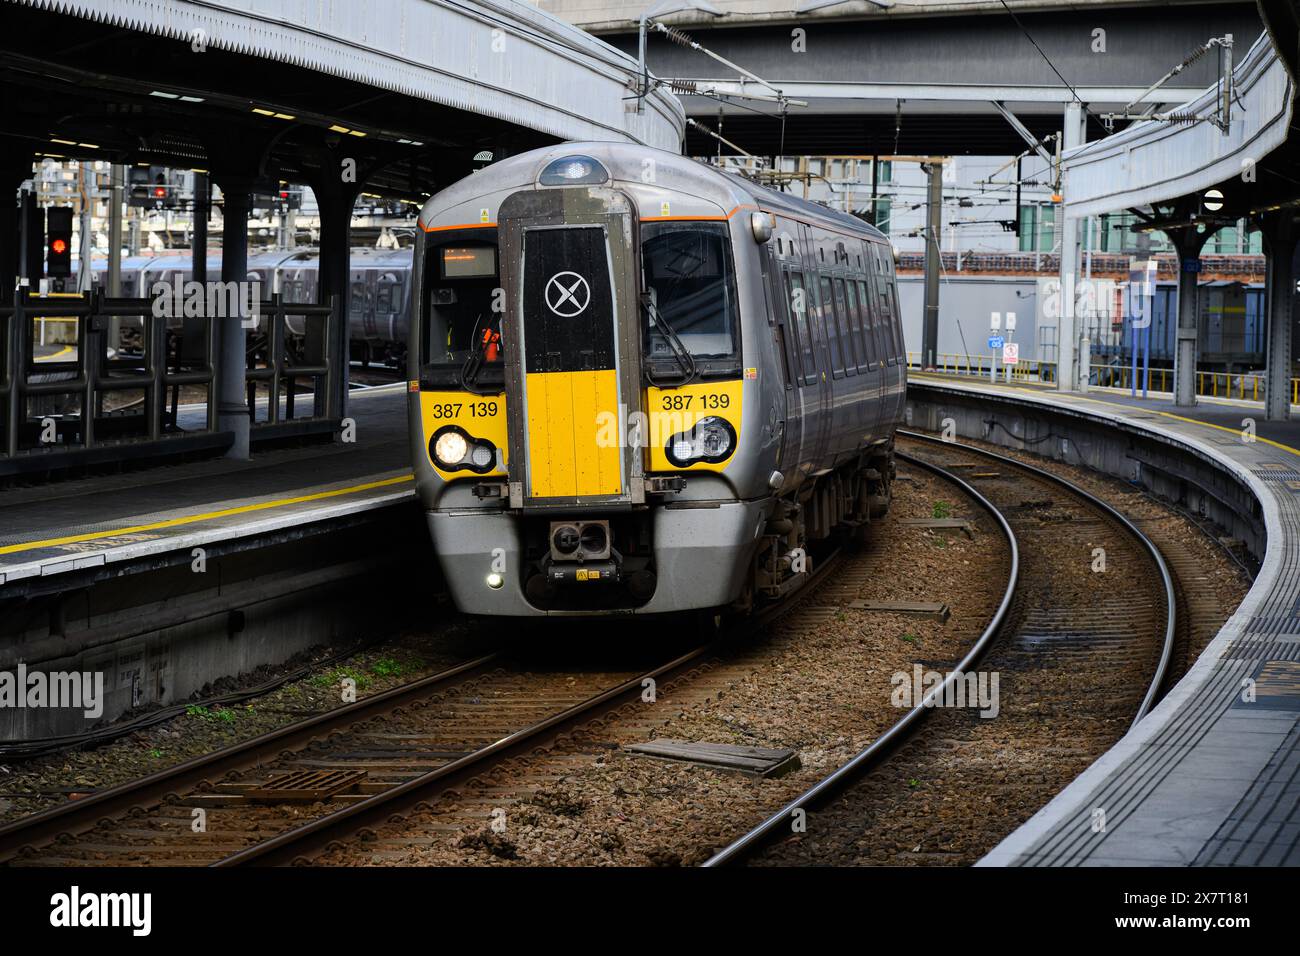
(567, 468)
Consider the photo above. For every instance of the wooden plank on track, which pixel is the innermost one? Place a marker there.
(941, 524)
(754, 761)
(934, 609)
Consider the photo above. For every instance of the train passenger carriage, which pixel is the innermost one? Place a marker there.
(639, 384)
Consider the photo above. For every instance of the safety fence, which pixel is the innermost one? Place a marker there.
(89, 378)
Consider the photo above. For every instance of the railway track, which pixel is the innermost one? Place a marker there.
(365, 764)
(1054, 627)
(592, 798)
(284, 796)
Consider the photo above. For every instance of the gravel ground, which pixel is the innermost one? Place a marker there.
(1213, 582)
(959, 785)
(817, 682)
(38, 784)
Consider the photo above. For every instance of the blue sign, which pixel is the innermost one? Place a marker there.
(996, 341)
(1192, 265)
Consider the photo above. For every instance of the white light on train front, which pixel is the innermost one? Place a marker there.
(573, 171)
(712, 440)
(495, 581)
(450, 449)
(762, 224)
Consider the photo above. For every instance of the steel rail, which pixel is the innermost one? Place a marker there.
(1166, 579)
(746, 844)
(316, 835)
(80, 815)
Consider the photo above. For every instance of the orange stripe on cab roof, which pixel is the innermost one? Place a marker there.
(463, 225)
(697, 218)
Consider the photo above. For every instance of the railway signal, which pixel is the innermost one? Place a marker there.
(58, 241)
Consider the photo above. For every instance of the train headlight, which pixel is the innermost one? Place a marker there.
(453, 449)
(573, 171)
(450, 449)
(711, 440)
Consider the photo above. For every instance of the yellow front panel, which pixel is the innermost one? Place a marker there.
(481, 416)
(569, 453)
(673, 410)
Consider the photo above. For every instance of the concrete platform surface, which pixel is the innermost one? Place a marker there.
(72, 525)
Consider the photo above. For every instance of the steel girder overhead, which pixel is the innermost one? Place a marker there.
(926, 85)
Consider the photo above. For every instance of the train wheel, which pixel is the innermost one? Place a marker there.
(880, 485)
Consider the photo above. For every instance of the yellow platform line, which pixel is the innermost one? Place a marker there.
(1129, 408)
(207, 516)
(54, 355)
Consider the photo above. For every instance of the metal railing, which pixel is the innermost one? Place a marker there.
(75, 405)
(979, 365)
(280, 369)
(1246, 386)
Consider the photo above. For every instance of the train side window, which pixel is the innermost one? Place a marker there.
(776, 286)
(885, 309)
(844, 324)
(876, 326)
(829, 325)
(896, 319)
(801, 306)
(358, 297)
(855, 321)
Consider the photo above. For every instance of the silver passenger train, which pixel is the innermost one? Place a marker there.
(638, 384)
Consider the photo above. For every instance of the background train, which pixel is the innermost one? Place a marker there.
(1230, 329)
(379, 292)
(642, 385)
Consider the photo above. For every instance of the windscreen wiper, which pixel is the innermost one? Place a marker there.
(683, 356)
(474, 364)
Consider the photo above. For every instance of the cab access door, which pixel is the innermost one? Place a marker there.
(572, 347)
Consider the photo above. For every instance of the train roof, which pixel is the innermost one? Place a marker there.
(629, 164)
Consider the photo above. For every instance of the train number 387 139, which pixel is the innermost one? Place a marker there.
(452, 409)
(679, 403)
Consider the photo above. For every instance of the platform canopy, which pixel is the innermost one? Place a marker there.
(1161, 162)
(415, 88)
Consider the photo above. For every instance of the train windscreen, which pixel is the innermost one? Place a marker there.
(462, 303)
(688, 266)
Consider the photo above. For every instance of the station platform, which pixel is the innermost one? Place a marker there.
(1211, 777)
(1219, 413)
(109, 523)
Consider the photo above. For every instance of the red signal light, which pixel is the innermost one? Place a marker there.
(59, 247)
(160, 192)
